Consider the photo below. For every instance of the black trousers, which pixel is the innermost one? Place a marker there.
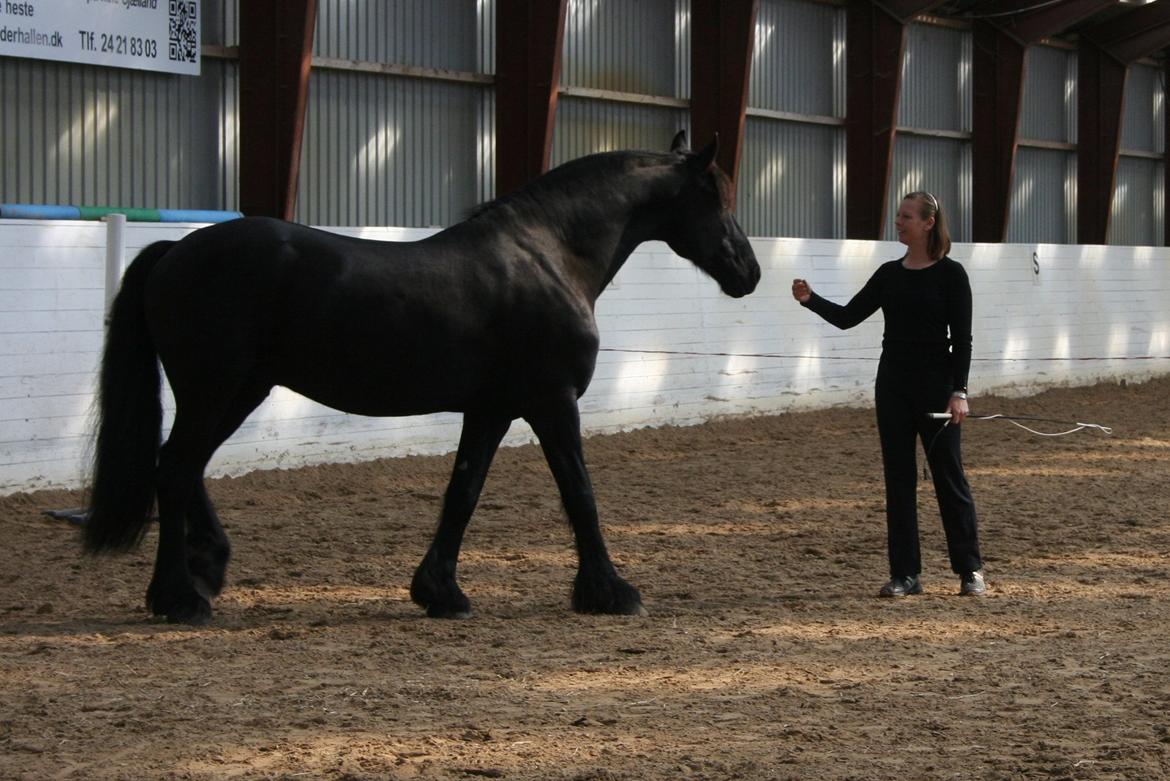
(905, 393)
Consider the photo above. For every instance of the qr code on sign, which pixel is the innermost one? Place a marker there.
(183, 32)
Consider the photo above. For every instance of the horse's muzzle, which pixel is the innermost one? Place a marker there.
(746, 277)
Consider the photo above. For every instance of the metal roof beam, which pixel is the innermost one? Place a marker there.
(905, 10)
(529, 38)
(722, 38)
(1137, 33)
(1133, 22)
(1030, 26)
(276, 48)
(1141, 45)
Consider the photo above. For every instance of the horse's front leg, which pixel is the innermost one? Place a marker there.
(434, 586)
(597, 588)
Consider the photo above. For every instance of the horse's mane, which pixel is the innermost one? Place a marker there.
(570, 185)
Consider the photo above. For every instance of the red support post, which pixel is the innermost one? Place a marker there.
(529, 39)
(276, 51)
(875, 42)
(1100, 103)
(722, 40)
(999, 88)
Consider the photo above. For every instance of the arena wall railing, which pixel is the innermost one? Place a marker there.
(675, 351)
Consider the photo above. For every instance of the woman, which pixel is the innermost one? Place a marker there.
(922, 295)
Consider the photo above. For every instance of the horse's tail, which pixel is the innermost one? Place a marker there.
(129, 423)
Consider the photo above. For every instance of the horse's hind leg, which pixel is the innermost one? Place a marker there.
(434, 585)
(181, 461)
(208, 548)
(597, 588)
(185, 576)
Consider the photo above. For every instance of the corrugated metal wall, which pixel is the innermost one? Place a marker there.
(431, 34)
(799, 60)
(220, 20)
(1043, 201)
(936, 96)
(936, 79)
(1141, 126)
(682, 48)
(1138, 205)
(942, 167)
(791, 180)
(386, 149)
(621, 45)
(485, 138)
(628, 46)
(792, 173)
(585, 126)
(372, 152)
(95, 136)
(1138, 212)
(1049, 108)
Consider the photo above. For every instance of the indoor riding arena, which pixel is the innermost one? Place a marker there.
(421, 389)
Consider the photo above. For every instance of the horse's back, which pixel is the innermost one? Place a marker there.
(372, 327)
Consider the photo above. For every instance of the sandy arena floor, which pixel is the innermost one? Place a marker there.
(758, 546)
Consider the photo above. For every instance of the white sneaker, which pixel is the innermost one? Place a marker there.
(972, 584)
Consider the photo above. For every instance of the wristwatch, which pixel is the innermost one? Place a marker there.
(960, 394)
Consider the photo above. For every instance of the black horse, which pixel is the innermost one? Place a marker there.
(492, 317)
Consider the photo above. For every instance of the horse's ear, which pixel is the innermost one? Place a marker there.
(679, 144)
(703, 160)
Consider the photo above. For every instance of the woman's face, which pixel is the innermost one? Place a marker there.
(911, 228)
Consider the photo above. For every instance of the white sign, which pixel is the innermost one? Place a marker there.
(154, 35)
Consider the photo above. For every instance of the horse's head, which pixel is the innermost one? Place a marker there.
(701, 227)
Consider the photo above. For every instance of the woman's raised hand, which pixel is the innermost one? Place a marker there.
(801, 291)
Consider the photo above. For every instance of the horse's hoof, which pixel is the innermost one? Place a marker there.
(460, 610)
(635, 609)
(612, 596)
(434, 611)
(441, 596)
(188, 607)
(199, 615)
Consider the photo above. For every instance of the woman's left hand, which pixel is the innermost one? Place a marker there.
(958, 409)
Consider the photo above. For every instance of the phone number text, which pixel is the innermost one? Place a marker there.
(113, 43)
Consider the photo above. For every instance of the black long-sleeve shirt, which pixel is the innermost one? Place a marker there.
(920, 307)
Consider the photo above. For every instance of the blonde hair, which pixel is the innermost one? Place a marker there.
(938, 241)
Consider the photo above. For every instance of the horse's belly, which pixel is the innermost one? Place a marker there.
(386, 389)
(358, 401)
(443, 380)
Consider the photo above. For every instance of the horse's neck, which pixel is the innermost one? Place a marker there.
(601, 239)
(594, 220)
(634, 236)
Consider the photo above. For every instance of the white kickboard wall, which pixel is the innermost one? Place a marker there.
(759, 355)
